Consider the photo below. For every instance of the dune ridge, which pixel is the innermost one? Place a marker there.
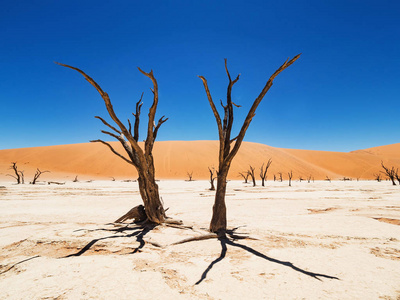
(173, 159)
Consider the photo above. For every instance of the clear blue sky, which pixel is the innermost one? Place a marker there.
(341, 95)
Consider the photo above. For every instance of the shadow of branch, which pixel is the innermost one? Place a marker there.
(221, 257)
(284, 263)
(139, 234)
(226, 241)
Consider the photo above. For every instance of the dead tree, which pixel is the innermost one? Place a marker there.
(263, 171)
(19, 175)
(76, 179)
(252, 175)
(228, 145)
(301, 178)
(327, 178)
(245, 176)
(37, 175)
(290, 175)
(390, 173)
(190, 174)
(280, 176)
(212, 178)
(397, 175)
(274, 177)
(309, 179)
(378, 177)
(141, 159)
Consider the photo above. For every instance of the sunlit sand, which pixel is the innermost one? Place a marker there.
(335, 240)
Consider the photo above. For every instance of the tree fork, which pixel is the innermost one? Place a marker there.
(226, 154)
(142, 160)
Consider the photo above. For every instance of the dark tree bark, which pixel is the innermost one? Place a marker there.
(327, 178)
(141, 159)
(37, 175)
(245, 176)
(390, 173)
(252, 175)
(290, 174)
(228, 146)
(263, 172)
(212, 178)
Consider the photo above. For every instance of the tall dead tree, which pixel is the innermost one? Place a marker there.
(19, 175)
(212, 178)
(228, 145)
(390, 173)
(37, 175)
(252, 175)
(290, 175)
(245, 176)
(263, 171)
(141, 159)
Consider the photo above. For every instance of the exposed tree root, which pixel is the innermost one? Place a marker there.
(198, 238)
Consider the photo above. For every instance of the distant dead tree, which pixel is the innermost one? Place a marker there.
(190, 175)
(76, 179)
(397, 175)
(327, 178)
(245, 176)
(37, 175)
(309, 179)
(141, 159)
(263, 171)
(290, 175)
(252, 175)
(226, 153)
(19, 175)
(390, 173)
(300, 178)
(280, 176)
(378, 177)
(274, 177)
(212, 178)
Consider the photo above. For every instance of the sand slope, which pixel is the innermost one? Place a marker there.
(175, 158)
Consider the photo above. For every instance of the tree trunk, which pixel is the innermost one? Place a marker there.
(218, 221)
(262, 181)
(152, 204)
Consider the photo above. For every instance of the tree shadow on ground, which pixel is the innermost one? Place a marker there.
(226, 241)
(138, 231)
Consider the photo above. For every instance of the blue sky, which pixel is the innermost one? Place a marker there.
(341, 95)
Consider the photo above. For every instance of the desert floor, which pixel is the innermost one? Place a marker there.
(337, 240)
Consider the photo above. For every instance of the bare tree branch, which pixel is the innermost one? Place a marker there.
(105, 123)
(113, 151)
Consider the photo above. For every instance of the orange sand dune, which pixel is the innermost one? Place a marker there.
(392, 151)
(175, 158)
